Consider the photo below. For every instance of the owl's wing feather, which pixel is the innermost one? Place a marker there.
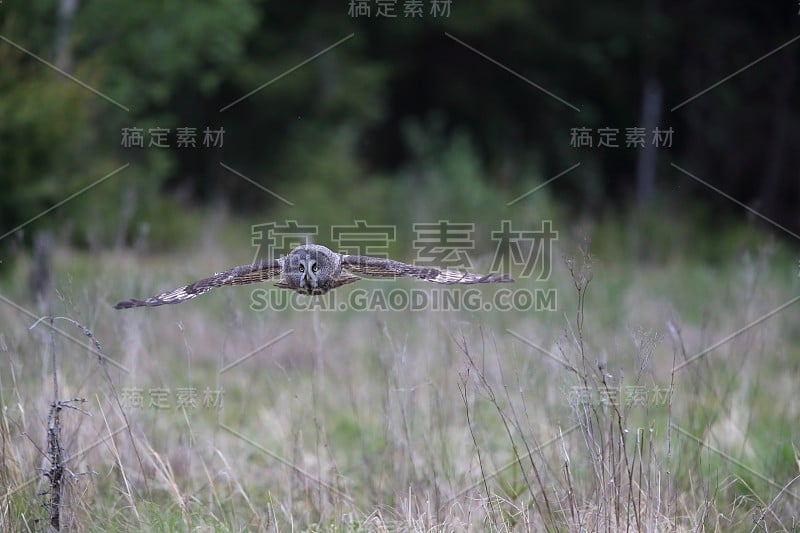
(378, 267)
(239, 275)
(344, 278)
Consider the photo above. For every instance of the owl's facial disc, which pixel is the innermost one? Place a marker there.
(308, 268)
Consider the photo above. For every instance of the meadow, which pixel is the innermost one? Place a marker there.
(660, 394)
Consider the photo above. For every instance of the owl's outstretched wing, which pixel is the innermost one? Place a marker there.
(239, 275)
(378, 267)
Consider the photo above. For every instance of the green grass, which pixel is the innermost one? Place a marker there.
(361, 421)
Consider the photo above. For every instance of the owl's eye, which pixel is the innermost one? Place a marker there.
(314, 267)
(302, 268)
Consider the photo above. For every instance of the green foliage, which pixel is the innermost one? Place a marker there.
(447, 180)
(150, 50)
(329, 185)
(446, 174)
(398, 123)
(42, 137)
(58, 138)
(657, 234)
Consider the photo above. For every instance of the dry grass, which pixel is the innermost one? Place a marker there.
(409, 420)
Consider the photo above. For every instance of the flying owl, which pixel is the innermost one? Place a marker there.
(313, 269)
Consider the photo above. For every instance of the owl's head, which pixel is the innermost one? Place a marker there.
(309, 268)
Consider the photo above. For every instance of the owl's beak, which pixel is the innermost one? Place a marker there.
(308, 279)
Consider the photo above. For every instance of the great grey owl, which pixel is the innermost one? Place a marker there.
(313, 269)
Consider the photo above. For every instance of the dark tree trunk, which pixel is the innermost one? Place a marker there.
(648, 156)
(62, 48)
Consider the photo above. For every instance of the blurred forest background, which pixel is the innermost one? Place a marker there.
(401, 116)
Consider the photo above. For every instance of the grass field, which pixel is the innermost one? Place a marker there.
(661, 394)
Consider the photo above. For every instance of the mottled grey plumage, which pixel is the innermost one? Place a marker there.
(313, 269)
